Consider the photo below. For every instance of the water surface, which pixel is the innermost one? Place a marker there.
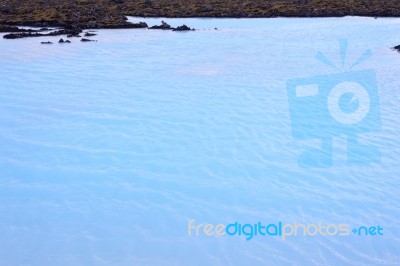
(108, 149)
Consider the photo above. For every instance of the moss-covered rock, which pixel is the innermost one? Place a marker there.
(111, 13)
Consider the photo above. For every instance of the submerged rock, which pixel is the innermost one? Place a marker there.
(65, 32)
(36, 34)
(87, 40)
(88, 34)
(22, 35)
(46, 43)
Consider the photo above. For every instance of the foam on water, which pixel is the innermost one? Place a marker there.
(108, 149)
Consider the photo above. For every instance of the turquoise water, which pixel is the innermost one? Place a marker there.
(109, 149)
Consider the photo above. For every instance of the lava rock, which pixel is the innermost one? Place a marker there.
(36, 34)
(87, 40)
(62, 41)
(88, 34)
(65, 32)
(127, 25)
(137, 25)
(5, 28)
(164, 26)
(22, 35)
(182, 28)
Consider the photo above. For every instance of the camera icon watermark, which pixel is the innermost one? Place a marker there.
(326, 106)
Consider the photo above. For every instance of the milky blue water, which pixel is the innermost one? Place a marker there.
(108, 149)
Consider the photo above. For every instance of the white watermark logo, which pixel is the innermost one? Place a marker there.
(280, 229)
(342, 103)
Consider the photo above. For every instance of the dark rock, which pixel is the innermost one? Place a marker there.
(22, 35)
(72, 35)
(164, 26)
(112, 13)
(127, 25)
(397, 48)
(65, 32)
(46, 43)
(62, 41)
(139, 25)
(87, 40)
(88, 34)
(182, 28)
(36, 34)
(5, 28)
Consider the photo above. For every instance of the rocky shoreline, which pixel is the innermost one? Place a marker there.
(85, 14)
(71, 17)
(14, 32)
